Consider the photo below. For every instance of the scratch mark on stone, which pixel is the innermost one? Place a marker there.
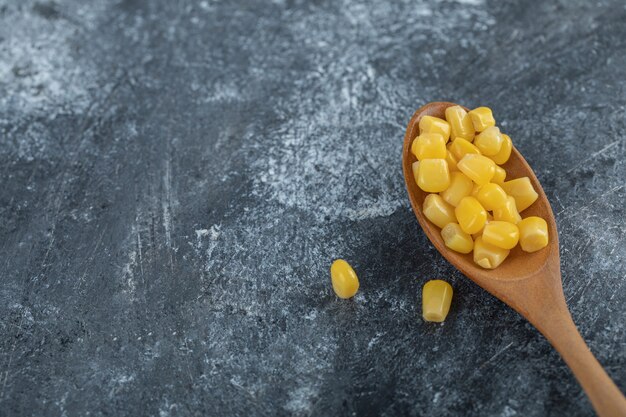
(242, 388)
(167, 218)
(93, 252)
(6, 373)
(167, 210)
(593, 155)
(586, 206)
(128, 273)
(139, 250)
(45, 258)
(498, 353)
(559, 201)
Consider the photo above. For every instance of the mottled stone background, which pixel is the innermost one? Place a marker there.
(177, 176)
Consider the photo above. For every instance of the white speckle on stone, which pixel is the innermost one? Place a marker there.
(422, 10)
(222, 92)
(311, 315)
(471, 2)
(117, 383)
(301, 399)
(508, 412)
(213, 233)
(437, 397)
(165, 410)
(360, 297)
(38, 70)
(369, 209)
(128, 273)
(200, 233)
(374, 340)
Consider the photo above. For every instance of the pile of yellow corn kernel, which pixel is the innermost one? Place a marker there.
(459, 162)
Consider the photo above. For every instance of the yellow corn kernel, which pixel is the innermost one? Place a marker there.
(460, 186)
(488, 256)
(460, 147)
(507, 212)
(504, 235)
(430, 124)
(489, 142)
(499, 175)
(475, 189)
(438, 211)
(480, 232)
(479, 168)
(344, 279)
(433, 175)
(456, 239)
(491, 196)
(452, 161)
(415, 167)
(470, 215)
(460, 123)
(436, 299)
(429, 146)
(533, 233)
(505, 151)
(522, 191)
(482, 118)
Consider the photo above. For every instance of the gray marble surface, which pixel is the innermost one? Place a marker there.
(176, 178)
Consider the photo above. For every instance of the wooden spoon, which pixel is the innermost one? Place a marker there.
(530, 283)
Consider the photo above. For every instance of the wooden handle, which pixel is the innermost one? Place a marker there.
(555, 323)
(560, 330)
(540, 299)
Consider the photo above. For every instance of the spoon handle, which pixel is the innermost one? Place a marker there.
(557, 326)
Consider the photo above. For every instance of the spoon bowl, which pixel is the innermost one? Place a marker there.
(530, 283)
(519, 264)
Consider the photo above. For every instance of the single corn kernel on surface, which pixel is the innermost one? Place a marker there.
(460, 147)
(488, 256)
(505, 151)
(501, 234)
(460, 186)
(456, 239)
(491, 196)
(452, 161)
(438, 211)
(460, 123)
(436, 299)
(479, 168)
(433, 175)
(507, 212)
(344, 279)
(482, 118)
(429, 146)
(430, 124)
(533, 234)
(470, 215)
(499, 175)
(522, 191)
(489, 142)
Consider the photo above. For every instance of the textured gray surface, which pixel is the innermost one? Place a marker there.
(176, 177)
